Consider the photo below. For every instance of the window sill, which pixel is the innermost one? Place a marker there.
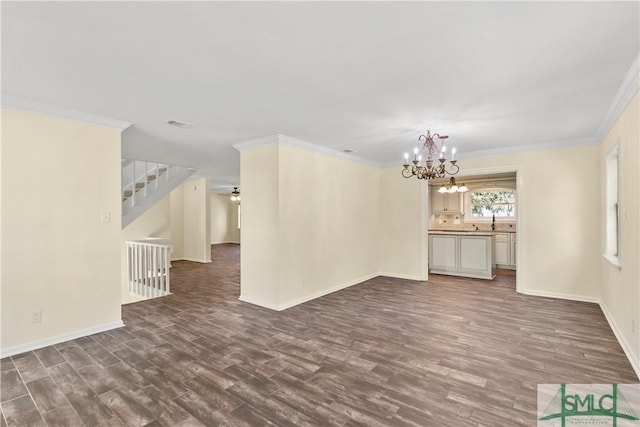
(485, 220)
(613, 260)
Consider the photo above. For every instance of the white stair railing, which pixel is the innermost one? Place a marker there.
(145, 183)
(148, 264)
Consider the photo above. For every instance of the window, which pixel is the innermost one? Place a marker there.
(486, 203)
(612, 231)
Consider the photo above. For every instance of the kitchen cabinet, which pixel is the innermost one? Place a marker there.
(466, 255)
(446, 203)
(444, 256)
(505, 250)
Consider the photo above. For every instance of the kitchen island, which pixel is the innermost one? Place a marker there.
(464, 253)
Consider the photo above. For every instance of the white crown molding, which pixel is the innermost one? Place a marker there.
(284, 139)
(628, 89)
(18, 103)
(266, 140)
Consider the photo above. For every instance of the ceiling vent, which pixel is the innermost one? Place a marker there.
(179, 124)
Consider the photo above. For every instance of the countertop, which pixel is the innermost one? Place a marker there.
(470, 232)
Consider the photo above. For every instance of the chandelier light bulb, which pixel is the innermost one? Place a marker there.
(453, 153)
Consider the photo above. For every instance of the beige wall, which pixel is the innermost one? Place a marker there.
(190, 221)
(197, 217)
(558, 218)
(323, 216)
(155, 222)
(176, 213)
(620, 286)
(260, 252)
(309, 224)
(402, 226)
(58, 177)
(224, 219)
(328, 223)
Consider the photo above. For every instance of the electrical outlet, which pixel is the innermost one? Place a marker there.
(633, 325)
(105, 217)
(36, 316)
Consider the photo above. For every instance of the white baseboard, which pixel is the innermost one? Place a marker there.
(635, 364)
(191, 259)
(34, 345)
(298, 301)
(402, 276)
(259, 303)
(327, 291)
(572, 297)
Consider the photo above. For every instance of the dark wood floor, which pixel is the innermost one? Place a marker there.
(387, 352)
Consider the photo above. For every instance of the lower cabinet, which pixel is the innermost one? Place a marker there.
(443, 250)
(505, 250)
(462, 255)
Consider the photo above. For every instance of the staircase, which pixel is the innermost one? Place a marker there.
(145, 183)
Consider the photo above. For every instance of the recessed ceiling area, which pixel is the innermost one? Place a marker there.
(370, 76)
(461, 178)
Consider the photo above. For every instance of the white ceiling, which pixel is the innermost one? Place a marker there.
(367, 76)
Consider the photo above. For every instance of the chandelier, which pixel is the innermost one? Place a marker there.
(430, 170)
(453, 187)
(235, 195)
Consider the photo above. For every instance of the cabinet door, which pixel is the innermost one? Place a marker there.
(454, 203)
(503, 249)
(513, 249)
(475, 254)
(438, 202)
(442, 252)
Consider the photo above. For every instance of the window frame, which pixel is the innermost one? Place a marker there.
(612, 223)
(468, 206)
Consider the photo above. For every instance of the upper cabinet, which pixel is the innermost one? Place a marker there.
(449, 203)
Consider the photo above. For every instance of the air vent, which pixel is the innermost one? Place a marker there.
(179, 124)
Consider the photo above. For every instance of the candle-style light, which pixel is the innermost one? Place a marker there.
(430, 170)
